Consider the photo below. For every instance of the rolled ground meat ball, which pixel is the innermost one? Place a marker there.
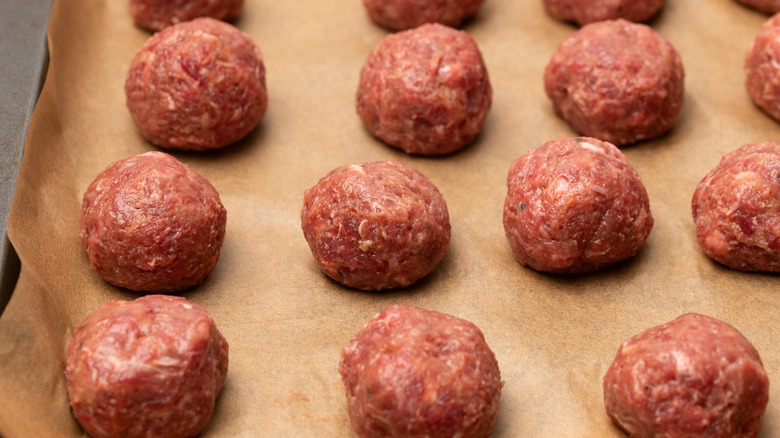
(762, 68)
(156, 15)
(375, 225)
(589, 11)
(197, 85)
(767, 6)
(411, 372)
(150, 223)
(425, 90)
(736, 208)
(406, 14)
(149, 367)
(618, 81)
(694, 376)
(575, 205)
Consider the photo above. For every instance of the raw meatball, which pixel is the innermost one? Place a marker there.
(736, 208)
(425, 90)
(197, 85)
(150, 223)
(589, 11)
(768, 6)
(695, 376)
(411, 372)
(618, 81)
(575, 205)
(375, 225)
(149, 367)
(406, 14)
(762, 68)
(158, 14)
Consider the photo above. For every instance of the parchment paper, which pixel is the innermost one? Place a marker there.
(554, 336)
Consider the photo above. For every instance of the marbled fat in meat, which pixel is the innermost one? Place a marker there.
(152, 367)
(411, 372)
(425, 90)
(406, 14)
(617, 81)
(156, 15)
(149, 223)
(736, 209)
(575, 205)
(375, 225)
(695, 376)
(197, 85)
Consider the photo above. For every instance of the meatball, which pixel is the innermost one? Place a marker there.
(149, 367)
(156, 15)
(425, 90)
(406, 14)
(150, 223)
(736, 208)
(375, 225)
(589, 11)
(618, 81)
(694, 376)
(197, 85)
(767, 6)
(412, 372)
(762, 68)
(575, 205)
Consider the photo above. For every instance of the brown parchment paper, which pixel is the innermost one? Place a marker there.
(554, 336)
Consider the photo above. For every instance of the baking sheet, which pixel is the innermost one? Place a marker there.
(23, 50)
(554, 336)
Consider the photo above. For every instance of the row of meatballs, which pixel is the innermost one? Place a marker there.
(154, 366)
(200, 84)
(150, 223)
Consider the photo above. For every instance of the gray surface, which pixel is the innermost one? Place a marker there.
(24, 58)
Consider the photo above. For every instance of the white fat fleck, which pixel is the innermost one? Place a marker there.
(362, 227)
(365, 245)
(115, 362)
(377, 206)
(590, 146)
(187, 306)
(171, 103)
(560, 185)
(682, 362)
(745, 175)
(357, 167)
(168, 361)
(599, 189)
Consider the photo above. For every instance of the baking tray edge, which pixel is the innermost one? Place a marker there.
(25, 56)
